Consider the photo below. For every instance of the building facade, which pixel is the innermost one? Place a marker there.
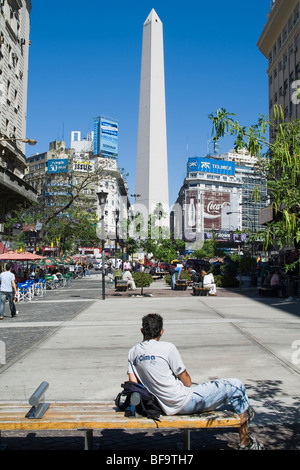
(105, 143)
(280, 44)
(14, 51)
(56, 170)
(217, 197)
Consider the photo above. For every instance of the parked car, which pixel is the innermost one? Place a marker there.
(97, 265)
(198, 264)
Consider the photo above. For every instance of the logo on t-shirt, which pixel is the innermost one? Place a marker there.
(144, 357)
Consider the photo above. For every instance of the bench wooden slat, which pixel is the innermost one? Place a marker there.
(64, 416)
(87, 417)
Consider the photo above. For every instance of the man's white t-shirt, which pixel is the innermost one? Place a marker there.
(6, 279)
(127, 276)
(208, 279)
(157, 364)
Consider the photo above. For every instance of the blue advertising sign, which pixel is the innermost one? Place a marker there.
(108, 137)
(96, 136)
(57, 166)
(209, 165)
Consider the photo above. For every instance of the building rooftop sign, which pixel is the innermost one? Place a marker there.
(57, 165)
(209, 165)
(106, 134)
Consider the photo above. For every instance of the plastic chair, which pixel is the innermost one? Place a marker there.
(50, 284)
(24, 291)
(38, 288)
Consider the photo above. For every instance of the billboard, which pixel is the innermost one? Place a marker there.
(106, 135)
(191, 204)
(83, 166)
(96, 136)
(57, 165)
(214, 201)
(209, 165)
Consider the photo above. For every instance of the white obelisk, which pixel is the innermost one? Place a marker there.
(151, 186)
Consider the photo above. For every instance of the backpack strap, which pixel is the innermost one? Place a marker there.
(130, 388)
(127, 393)
(124, 405)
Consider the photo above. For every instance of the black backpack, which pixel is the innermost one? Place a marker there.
(148, 405)
(171, 269)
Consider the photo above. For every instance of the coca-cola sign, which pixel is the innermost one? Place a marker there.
(191, 203)
(213, 209)
(213, 204)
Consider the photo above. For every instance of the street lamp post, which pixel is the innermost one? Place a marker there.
(25, 141)
(102, 199)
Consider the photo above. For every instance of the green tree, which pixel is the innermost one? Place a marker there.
(69, 214)
(210, 249)
(279, 159)
(70, 230)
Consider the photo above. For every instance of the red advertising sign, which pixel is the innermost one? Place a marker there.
(212, 209)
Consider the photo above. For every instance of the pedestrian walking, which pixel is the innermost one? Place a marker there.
(8, 290)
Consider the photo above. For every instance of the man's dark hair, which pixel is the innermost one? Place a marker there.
(152, 326)
(7, 267)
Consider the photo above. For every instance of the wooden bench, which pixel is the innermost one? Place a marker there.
(121, 286)
(87, 417)
(159, 275)
(181, 285)
(267, 292)
(201, 291)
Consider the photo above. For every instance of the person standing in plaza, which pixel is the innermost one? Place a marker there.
(158, 366)
(127, 266)
(175, 275)
(9, 289)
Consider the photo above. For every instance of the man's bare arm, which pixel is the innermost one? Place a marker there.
(185, 378)
(133, 378)
(14, 286)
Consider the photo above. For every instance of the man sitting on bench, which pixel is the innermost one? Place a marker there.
(158, 366)
(209, 282)
(127, 276)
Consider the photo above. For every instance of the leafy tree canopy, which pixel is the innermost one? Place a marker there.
(279, 159)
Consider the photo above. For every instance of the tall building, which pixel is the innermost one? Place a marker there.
(218, 196)
(55, 174)
(50, 173)
(151, 185)
(105, 138)
(280, 44)
(14, 51)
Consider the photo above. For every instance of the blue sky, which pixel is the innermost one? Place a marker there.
(85, 61)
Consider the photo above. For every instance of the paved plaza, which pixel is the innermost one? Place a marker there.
(78, 343)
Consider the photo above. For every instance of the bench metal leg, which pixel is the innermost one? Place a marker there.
(187, 439)
(88, 438)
